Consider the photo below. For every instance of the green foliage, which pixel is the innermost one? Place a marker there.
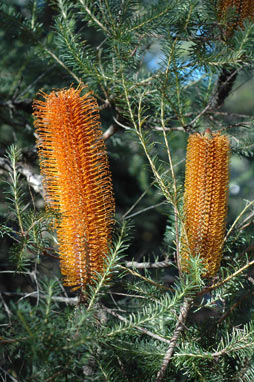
(159, 70)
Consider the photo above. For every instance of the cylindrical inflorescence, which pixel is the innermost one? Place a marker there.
(243, 9)
(76, 180)
(205, 200)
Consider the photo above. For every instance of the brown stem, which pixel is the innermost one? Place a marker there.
(225, 83)
(178, 330)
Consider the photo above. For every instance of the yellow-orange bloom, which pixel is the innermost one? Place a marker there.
(244, 9)
(76, 180)
(205, 199)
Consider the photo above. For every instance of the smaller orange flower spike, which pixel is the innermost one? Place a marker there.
(205, 200)
(243, 9)
(77, 181)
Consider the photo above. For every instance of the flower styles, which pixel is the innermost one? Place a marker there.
(76, 180)
(205, 200)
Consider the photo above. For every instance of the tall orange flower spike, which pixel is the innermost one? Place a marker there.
(205, 199)
(243, 9)
(77, 181)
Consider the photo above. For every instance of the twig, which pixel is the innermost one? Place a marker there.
(233, 307)
(109, 132)
(145, 209)
(37, 79)
(175, 203)
(175, 128)
(43, 251)
(121, 124)
(122, 369)
(93, 17)
(61, 63)
(6, 307)
(137, 201)
(134, 273)
(143, 330)
(178, 329)
(230, 277)
(237, 219)
(176, 211)
(31, 274)
(56, 374)
(225, 83)
(208, 106)
(219, 95)
(66, 300)
(229, 114)
(12, 340)
(242, 372)
(246, 220)
(33, 180)
(239, 124)
(146, 191)
(158, 264)
(9, 375)
(225, 350)
(246, 266)
(216, 354)
(130, 295)
(23, 104)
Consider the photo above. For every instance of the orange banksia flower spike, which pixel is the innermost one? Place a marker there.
(205, 200)
(243, 9)
(76, 180)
